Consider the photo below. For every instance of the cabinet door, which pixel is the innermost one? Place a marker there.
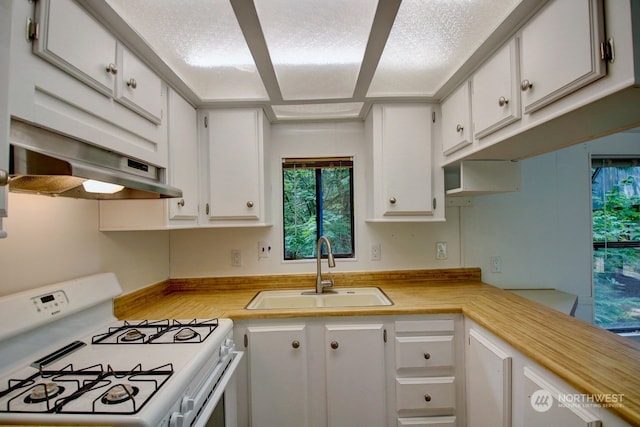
(235, 162)
(406, 160)
(5, 34)
(139, 88)
(278, 372)
(488, 383)
(355, 375)
(74, 41)
(542, 407)
(183, 157)
(495, 100)
(561, 51)
(456, 120)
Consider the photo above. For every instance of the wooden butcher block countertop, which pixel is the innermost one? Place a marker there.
(591, 359)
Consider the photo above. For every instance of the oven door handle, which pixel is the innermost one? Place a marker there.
(208, 408)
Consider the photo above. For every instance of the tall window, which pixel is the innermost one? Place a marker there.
(615, 195)
(318, 201)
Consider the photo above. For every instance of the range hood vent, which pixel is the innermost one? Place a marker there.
(47, 163)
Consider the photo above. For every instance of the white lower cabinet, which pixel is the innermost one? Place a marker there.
(428, 380)
(278, 367)
(488, 382)
(546, 404)
(439, 370)
(315, 372)
(506, 388)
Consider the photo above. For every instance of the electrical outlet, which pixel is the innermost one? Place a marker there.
(441, 250)
(236, 257)
(376, 254)
(496, 264)
(264, 249)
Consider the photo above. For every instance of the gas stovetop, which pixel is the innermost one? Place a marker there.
(65, 356)
(94, 389)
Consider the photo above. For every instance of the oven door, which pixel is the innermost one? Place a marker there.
(215, 403)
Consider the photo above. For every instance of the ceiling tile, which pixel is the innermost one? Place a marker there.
(318, 111)
(430, 40)
(316, 46)
(201, 41)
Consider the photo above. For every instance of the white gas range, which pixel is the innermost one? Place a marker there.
(65, 359)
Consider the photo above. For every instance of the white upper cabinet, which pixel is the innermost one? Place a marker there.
(183, 173)
(456, 120)
(90, 53)
(138, 87)
(183, 158)
(5, 34)
(72, 79)
(495, 100)
(402, 178)
(235, 141)
(84, 49)
(561, 51)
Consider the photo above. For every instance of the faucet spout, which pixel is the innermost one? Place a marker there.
(322, 284)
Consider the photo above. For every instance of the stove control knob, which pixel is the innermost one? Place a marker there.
(186, 405)
(176, 420)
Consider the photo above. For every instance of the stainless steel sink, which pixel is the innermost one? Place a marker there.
(302, 298)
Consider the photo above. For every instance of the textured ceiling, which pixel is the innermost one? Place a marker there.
(313, 59)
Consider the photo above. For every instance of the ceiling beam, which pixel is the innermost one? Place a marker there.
(380, 29)
(247, 17)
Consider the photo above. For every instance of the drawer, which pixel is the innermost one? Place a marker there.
(424, 352)
(425, 393)
(427, 422)
(420, 326)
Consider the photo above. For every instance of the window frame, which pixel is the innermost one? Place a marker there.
(320, 163)
(599, 162)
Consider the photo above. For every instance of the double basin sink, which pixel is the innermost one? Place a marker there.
(303, 298)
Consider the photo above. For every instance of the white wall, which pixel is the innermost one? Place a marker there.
(207, 252)
(543, 232)
(56, 239)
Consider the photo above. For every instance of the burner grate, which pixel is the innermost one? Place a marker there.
(96, 382)
(158, 332)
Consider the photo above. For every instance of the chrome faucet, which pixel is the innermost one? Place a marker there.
(322, 284)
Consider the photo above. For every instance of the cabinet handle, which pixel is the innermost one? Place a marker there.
(249, 204)
(392, 200)
(526, 85)
(181, 203)
(334, 344)
(295, 344)
(427, 398)
(459, 128)
(427, 356)
(502, 101)
(132, 83)
(206, 209)
(112, 68)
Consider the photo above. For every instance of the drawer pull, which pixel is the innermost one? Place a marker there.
(295, 344)
(427, 398)
(334, 344)
(427, 356)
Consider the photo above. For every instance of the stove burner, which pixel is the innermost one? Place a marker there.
(43, 392)
(133, 335)
(185, 334)
(119, 393)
